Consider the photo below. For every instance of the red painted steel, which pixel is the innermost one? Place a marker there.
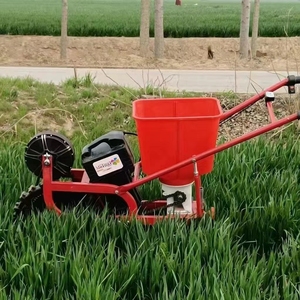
(253, 99)
(80, 180)
(218, 149)
(271, 112)
(199, 203)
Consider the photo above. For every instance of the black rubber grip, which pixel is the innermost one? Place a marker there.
(297, 79)
(298, 115)
(293, 79)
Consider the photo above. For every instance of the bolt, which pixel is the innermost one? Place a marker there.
(47, 160)
(195, 167)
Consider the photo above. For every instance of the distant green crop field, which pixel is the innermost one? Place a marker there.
(195, 18)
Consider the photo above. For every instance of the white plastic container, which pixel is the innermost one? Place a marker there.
(187, 205)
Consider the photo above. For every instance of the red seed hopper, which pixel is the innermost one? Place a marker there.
(177, 140)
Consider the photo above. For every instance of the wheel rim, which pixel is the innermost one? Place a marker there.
(54, 144)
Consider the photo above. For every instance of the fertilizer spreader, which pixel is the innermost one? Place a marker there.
(177, 140)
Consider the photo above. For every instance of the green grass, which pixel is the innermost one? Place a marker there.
(122, 18)
(251, 251)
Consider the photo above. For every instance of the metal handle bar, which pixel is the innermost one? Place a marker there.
(290, 81)
(294, 79)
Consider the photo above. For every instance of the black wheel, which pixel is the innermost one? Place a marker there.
(56, 145)
(32, 202)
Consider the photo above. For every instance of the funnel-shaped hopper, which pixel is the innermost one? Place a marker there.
(172, 130)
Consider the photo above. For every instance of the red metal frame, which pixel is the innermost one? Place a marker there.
(271, 112)
(80, 181)
(254, 99)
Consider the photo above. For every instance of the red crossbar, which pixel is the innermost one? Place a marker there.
(271, 112)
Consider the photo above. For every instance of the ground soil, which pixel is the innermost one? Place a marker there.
(274, 54)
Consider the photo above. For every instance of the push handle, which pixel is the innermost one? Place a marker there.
(293, 80)
(289, 81)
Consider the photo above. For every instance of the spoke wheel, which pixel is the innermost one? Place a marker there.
(55, 144)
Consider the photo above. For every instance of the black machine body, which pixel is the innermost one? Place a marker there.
(109, 159)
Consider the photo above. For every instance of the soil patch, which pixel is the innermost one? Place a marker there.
(274, 54)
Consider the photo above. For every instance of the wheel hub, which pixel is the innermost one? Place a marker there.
(55, 144)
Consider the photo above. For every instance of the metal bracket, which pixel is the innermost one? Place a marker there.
(269, 97)
(179, 198)
(47, 160)
(291, 89)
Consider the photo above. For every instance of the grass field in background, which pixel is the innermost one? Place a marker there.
(122, 18)
(250, 252)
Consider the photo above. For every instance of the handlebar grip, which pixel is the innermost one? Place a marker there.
(293, 79)
(297, 79)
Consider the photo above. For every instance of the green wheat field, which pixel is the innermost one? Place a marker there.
(195, 18)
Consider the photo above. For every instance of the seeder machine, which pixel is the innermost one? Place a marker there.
(177, 142)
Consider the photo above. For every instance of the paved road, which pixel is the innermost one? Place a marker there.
(188, 80)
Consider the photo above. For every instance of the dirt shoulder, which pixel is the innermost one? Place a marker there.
(275, 54)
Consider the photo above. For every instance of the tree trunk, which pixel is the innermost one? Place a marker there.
(64, 30)
(159, 29)
(144, 27)
(255, 28)
(244, 29)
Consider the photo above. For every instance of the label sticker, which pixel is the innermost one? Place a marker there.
(108, 165)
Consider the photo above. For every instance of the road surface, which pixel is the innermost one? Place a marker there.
(175, 80)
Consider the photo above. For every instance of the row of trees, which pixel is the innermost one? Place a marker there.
(159, 28)
(245, 26)
(144, 28)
